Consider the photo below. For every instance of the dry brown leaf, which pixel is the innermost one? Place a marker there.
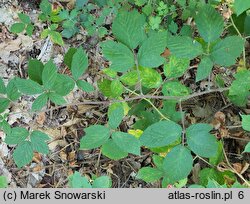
(41, 118)
(63, 156)
(238, 167)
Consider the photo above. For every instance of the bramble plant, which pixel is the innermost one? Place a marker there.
(25, 24)
(144, 83)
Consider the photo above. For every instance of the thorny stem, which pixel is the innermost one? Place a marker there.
(158, 111)
(233, 170)
(138, 73)
(237, 30)
(138, 97)
(183, 123)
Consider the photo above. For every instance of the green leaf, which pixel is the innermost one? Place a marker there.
(78, 181)
(161, 134)
(200, 141)
(128, 28)
(241, 6)
(115, 116)
(12, 91)
(126, 142)
(215, 160)
(38, 143)
(28, 87)
(176, 67)
(23, 154)
(63, 85)
(121, 56)
(56, 37)
(149, 54)
(116, 88)
(56, 98)
(95, 136)
(130, 78)
(178, 163)
(45, 7)
(204, 69)
(102, 182)
(209, 23)
(4, 104)
(35, 70)
(49, 75)
(17, 28)
(175, 88)
(85, 86)
(3, 182)
(5, 126)
(29, 29)
(24, 18)
(16, 136)
(105, 87)
(179, 45)
(240, 88)
(150, 78)
(226, 51)
(69, 56)
(246, 122)
(158, 161)
(79, 63)
(247, 148)
(207, 174)
(40, 102)
(149, 174)
(109, 72)
(2, 87)
(214, 184)
(112, 151)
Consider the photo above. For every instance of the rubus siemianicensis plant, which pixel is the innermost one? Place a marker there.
(133, 58)
(138, 78)
(46, 84)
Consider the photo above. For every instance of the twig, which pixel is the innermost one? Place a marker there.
(233, 170)
(183, 123)
(138, 73)
(237, 30)
(138, 97)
